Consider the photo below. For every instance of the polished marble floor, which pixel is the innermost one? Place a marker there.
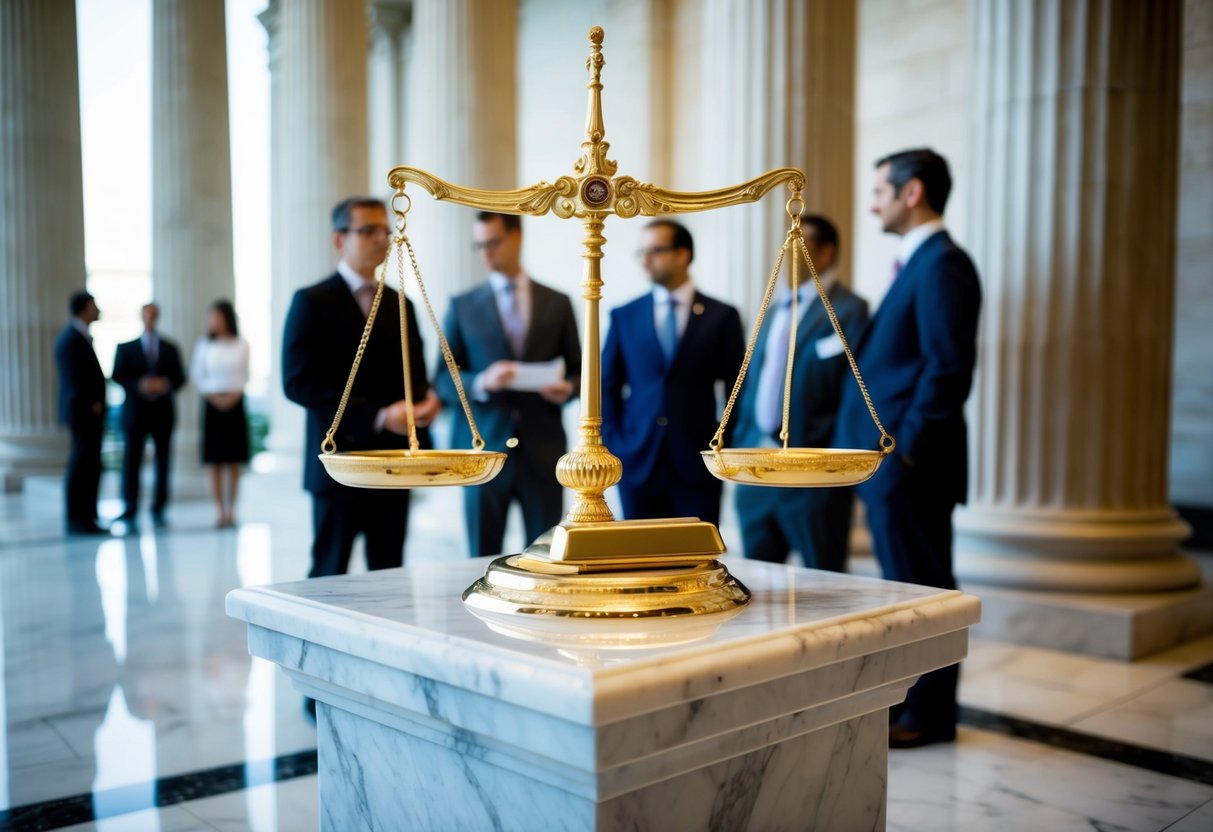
(129, 701)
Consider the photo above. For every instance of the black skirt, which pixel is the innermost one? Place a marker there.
(224, 434)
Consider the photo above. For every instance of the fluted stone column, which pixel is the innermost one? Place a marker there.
(191, 181)
(779, 90)
(386, 99)
(41, 225)
(318, 64)
(1073, 230)
(461, 127)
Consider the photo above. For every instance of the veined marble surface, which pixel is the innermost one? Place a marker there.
(412, 620)
(782, 706)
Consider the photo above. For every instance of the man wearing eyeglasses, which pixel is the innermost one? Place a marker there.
(498, 333)
(320, 339)
(664, 354)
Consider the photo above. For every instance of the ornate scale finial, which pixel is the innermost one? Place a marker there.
(594, 149)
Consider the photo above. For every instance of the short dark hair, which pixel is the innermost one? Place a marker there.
(925, 165)
(343, 209)
(510, 222)
(824, 232)
(78, 302)
(681, 237)
(228, 312)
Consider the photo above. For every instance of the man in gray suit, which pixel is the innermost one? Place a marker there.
(813, 521)
(492, 330)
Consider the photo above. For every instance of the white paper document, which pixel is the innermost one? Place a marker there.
(535, 375)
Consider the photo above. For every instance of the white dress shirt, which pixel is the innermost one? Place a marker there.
(220, 365)
(522, 295)
(915, 237)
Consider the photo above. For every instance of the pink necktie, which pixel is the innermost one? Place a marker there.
(365, 295)
(896, 269)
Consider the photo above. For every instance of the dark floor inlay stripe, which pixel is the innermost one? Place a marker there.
(167, 791)
(1201, 674)
(1162, 762)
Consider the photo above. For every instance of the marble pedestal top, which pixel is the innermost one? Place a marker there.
(591, 727)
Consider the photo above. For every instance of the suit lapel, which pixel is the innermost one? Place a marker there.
(540, 308)
(646, 331)
(484, 307)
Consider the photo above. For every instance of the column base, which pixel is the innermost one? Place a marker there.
(1117, 626)
(22, 457)
(1073, 551)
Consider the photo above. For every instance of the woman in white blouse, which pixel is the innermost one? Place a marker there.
(219, 370)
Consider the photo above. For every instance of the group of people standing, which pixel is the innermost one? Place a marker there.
(150, 371)
(667, 356)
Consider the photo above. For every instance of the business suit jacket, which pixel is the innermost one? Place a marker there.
(917, 359)
(672, 407)
(81, 388)
(81, 382)
(476, 337)
(319, 342)
(131, 365)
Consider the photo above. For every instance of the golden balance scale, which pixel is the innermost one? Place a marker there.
(634, 578)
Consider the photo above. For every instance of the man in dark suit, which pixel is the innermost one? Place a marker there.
(813, 521)
(149, 370)
(320, 339)
(82, 409)
(509, 319)
(664, 354)
(917, 358)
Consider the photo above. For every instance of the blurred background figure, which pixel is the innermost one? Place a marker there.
(220, 371)
(82, 409)
(149, 371)
(814, 521)
(665, 353)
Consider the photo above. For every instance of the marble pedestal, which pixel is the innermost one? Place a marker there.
(776, 719)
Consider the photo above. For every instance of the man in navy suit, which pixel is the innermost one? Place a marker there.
(813, 521)
(149, 370)
(917, 359)
(509, 319)
(319, 342)
(82, 409)
(664, 354)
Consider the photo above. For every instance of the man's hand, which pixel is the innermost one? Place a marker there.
(153, 385)
(426, 410)
(497, 376)
(557, 393)
(223, 402)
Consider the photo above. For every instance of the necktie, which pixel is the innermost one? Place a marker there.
(365, 295)
(768, 411)
(511, 321)
(149, 350)
(896, 269)
(669, 332)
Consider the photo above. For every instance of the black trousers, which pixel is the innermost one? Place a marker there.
(135, 438)
(382, 516)
(486, 507)
(912, 535)
(665, 494)
(83, 479)
(816, 522)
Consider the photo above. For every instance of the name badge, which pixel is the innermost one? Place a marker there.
(829, 346)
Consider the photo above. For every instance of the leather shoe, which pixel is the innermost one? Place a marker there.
(902, 737)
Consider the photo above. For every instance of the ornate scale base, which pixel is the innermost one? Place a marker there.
(626, 576)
